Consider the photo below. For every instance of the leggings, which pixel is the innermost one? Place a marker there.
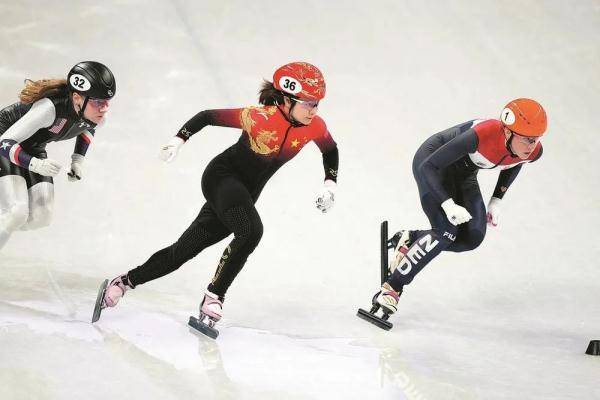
(229, 209)
(425, 245)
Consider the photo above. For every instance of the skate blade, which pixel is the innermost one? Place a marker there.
(375, 320)
(98, 307)
(203, 328)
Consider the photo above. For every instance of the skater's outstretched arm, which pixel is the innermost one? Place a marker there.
(229, 118)
(225, 117)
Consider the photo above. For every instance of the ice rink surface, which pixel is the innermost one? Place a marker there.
(510, 320)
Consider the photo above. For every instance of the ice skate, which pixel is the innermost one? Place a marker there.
(109, 294)
(386, 300)
(211, 311)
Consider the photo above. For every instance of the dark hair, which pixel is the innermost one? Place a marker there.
(268, 95)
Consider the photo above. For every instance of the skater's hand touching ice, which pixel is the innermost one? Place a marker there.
(493, 211)
(170, 150)
(326, 197)
(76, 171)
(456, 214)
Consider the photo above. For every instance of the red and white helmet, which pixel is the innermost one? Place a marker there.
(300, 80)
(525, 117)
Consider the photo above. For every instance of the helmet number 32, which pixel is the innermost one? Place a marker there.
(79, 82)
(290, 85)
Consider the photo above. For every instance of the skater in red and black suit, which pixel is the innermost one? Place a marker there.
(445, 168)
(272, 134)
(49, 110)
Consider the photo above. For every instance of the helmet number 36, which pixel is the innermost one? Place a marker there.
(290, 85)
(79, 82)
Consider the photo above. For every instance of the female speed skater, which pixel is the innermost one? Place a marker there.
(49, 110)
(272, 134)
(445, 168)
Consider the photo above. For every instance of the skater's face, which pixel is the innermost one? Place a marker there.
(522, 146)
(95, 110)
(303, 111)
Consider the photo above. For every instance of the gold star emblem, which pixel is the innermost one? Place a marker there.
(295, 143)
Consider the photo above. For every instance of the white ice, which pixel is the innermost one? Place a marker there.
(510, 320)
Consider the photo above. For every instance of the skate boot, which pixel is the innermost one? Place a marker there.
(402, 242)
(115, 290)
(385, 299)
(211, 311)
(110, 293)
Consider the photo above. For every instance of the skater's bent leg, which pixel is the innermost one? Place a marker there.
(425, 244)
(205, 231)
(14, 205)
(41, 203)
(247, 228)
(422, 250)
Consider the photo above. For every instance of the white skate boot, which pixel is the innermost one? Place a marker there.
(387, 298)
(211, 311)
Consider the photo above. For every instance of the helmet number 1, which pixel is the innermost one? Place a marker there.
(508, 116)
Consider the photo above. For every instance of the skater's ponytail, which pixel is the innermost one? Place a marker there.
(268, 95)
(36, 90)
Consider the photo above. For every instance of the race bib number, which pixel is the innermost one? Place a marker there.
(290, 85)
(79, 83)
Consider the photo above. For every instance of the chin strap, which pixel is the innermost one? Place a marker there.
(289, 116)
(82, 110)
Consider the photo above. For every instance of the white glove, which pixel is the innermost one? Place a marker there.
(456, 214)
(326, 196)
(170, 150)
(76, 168)
(493, 211)
(44, 166)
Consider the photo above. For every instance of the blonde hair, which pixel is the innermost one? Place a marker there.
(35, 90)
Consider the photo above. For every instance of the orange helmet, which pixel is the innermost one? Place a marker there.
(300, 80)
(525, 117)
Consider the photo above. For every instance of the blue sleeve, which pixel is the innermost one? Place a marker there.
(431, 169)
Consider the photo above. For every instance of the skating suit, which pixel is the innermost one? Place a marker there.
(445, 166)
(26, 129)
(231, 184)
